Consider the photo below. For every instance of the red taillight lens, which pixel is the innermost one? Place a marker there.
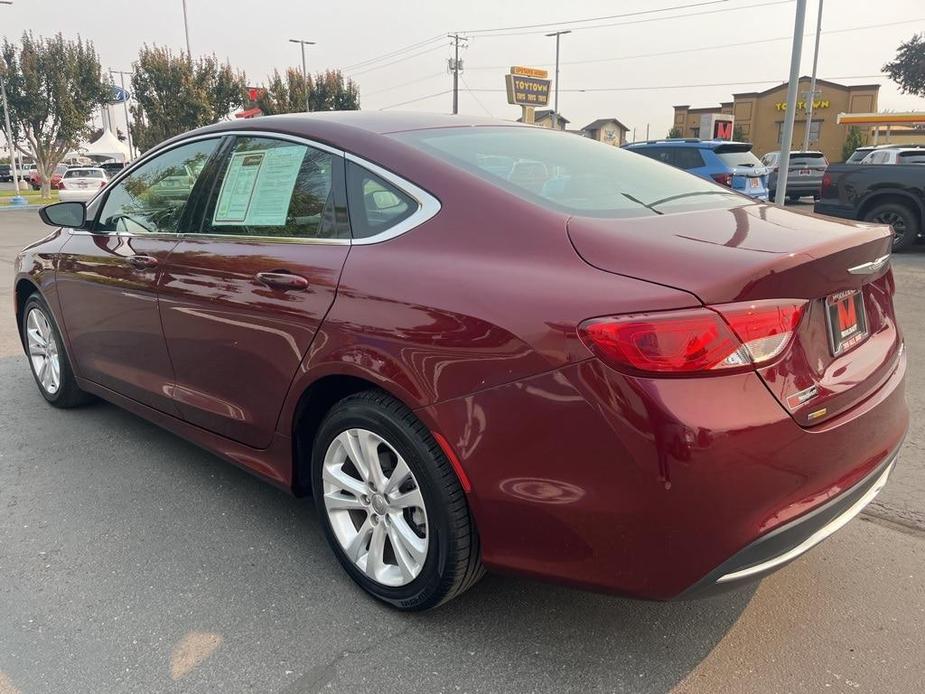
(694, 341)
(723, 179)
(103, 183)
(61, 185)
(826, 184)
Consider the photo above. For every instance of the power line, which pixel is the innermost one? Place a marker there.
(688, 86)
(644, 21)
(405, 84)
(399, 60)
(475, 96)
(700, 48)
(397, 51)
(421, 98)
(594, 19)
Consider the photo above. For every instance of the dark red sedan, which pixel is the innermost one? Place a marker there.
(481, 345)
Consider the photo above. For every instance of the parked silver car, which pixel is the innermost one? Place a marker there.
(804, 177)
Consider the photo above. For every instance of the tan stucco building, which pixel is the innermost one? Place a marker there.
(759, 116)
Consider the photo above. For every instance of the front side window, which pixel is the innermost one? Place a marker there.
(376, 205)
(152, 198)
(573, 175)
(275, 188)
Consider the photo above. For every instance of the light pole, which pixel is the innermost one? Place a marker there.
(555, 115)
(16, 199)
(189, 53)
(304, 70)
(812, 84)
(786, 139)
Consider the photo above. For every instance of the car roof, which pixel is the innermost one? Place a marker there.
(84, 168)
(690, 142)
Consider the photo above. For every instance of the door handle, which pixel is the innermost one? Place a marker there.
(142, 262)
(282, 280)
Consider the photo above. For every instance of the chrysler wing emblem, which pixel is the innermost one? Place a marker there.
(871, 267)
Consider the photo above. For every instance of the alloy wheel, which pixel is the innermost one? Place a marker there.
(43, 351)
(375, 507)
(895, 220)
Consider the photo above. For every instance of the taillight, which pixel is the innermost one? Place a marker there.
(700, 341)
(102, 184)
(723, 179)
(61, 185)
(826, 184)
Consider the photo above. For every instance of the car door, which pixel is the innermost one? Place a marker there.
(107, 275)
(243, 296)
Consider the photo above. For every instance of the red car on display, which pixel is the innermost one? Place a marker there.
(483, 345)
(35, 180)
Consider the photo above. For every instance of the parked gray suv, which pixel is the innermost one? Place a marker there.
(804, 177)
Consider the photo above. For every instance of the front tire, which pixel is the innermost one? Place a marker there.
(48, 357)
(391, 506)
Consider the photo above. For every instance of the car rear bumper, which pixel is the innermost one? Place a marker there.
(788, 542)
(644, 487)
(76, 195)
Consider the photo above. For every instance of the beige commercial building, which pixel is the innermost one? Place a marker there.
(759, 116)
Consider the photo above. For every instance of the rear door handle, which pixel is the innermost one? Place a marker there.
(283, 280)
(142, 261)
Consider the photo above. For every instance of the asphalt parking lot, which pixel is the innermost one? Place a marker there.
(131, 561)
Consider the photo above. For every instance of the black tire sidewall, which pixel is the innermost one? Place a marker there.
(912, 227)
(357, 413)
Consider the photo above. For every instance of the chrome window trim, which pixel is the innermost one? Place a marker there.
(428, 205)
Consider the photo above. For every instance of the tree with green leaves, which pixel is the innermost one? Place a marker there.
(675, 131)
(908, 68)
(53, 86)
(738, 134)
(327, 91)
(174, 94)
(854, 140)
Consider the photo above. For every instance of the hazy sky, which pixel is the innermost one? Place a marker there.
(253, 36)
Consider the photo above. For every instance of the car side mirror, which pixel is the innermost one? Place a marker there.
(64, 214)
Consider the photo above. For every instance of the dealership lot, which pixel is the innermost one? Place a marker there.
(132, 561)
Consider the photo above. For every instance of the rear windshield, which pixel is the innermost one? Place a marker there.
(807, 159)
(743, 159)
(569, 173)
(83, 173)
(912, 157)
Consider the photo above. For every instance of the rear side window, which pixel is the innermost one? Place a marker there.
(274, 188)
(571, 174)
(686, 158)
(375, 204)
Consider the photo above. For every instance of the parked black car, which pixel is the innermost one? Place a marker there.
(891, 194)
(6, 173)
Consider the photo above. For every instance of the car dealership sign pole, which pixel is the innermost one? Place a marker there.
(790, 113)
(528, 88)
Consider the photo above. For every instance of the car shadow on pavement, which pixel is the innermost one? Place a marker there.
(201, 549)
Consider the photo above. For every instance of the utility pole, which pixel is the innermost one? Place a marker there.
(789, 115)
(128, 125)
(304, 69)
(812, 84)
(189, 53)
(16, 199)
(555, 113)
(456, 68)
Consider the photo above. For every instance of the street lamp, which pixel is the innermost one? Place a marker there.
(189, 53)
(304, 70)
(555, 115)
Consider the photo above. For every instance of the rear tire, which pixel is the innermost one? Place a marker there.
(48, 358)
(391, 506)
(901, 218)
(793, 197)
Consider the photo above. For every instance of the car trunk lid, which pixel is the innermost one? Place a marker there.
(755, 252)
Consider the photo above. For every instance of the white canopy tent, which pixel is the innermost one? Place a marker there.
(107, 147)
